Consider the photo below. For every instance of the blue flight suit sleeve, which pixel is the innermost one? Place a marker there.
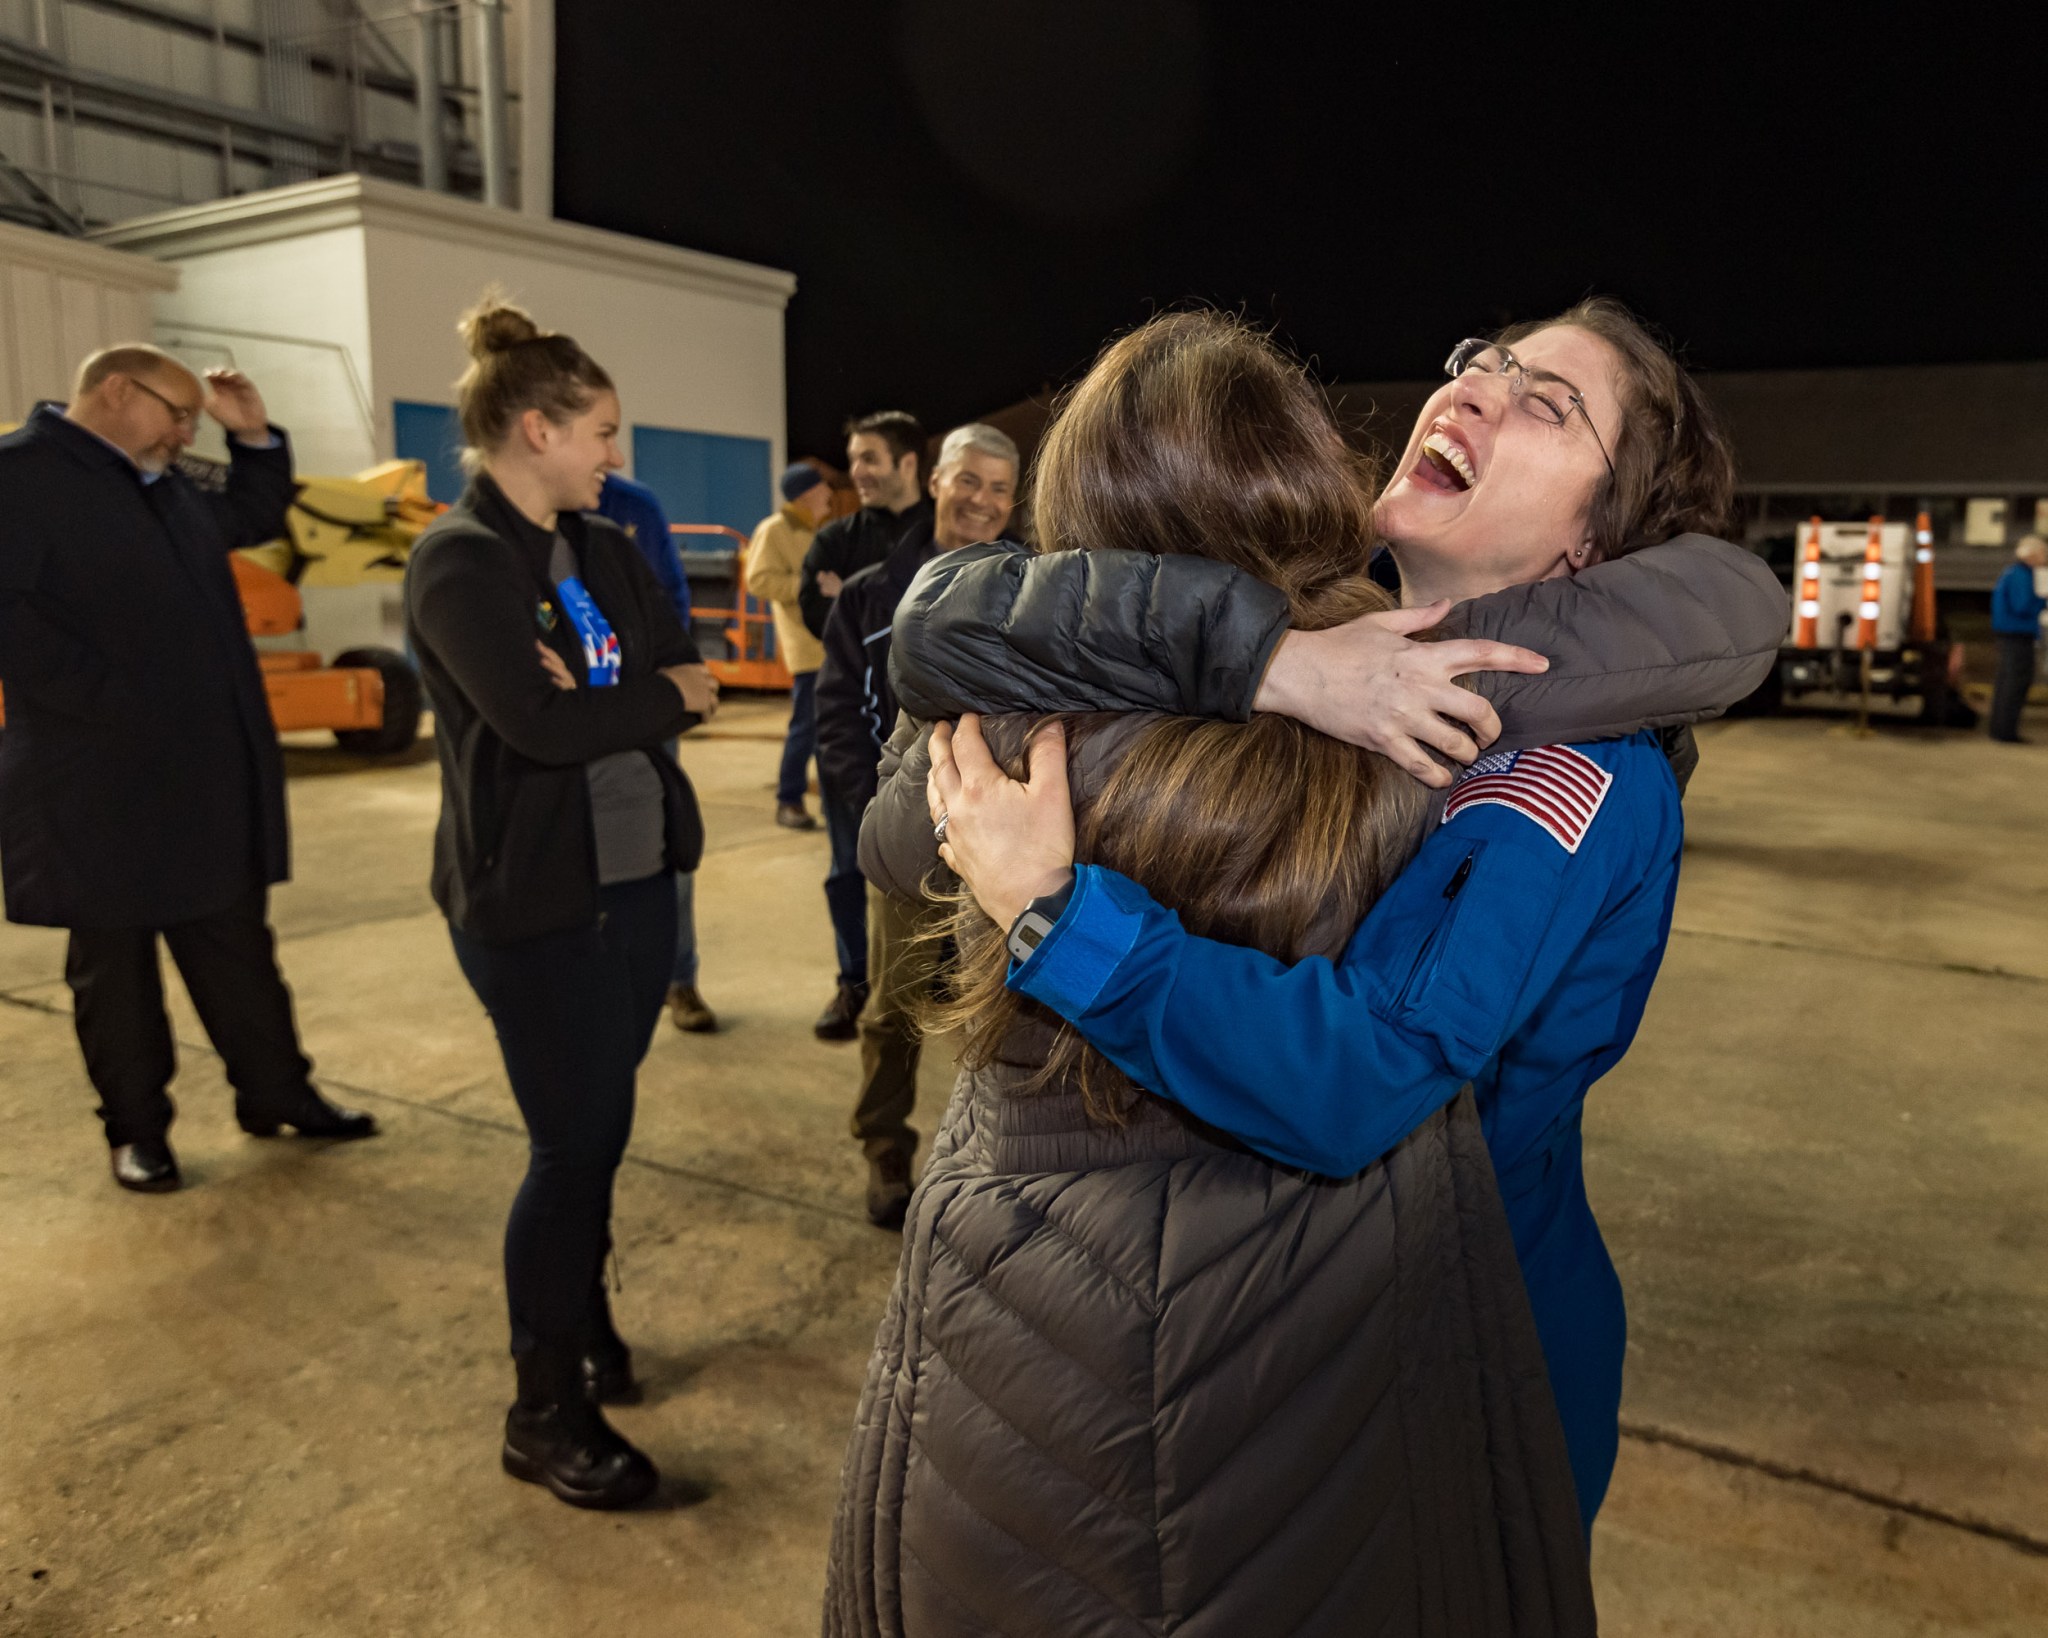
(1328, 1065)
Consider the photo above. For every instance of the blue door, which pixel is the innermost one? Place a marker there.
(431, 433)
(705, 477)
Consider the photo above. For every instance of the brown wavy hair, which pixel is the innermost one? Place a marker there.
(1196, 434)
(1674, 468)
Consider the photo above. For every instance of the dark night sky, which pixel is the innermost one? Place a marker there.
(974, 194)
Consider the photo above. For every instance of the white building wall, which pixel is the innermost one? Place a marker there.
(340, 296)
(293, 314)
(59, 301)
(682, 358)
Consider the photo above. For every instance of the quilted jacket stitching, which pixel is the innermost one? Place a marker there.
(933, 1468)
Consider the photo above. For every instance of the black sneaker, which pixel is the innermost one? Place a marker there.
(608, 1376)
(572, 1451)
(840, 1020)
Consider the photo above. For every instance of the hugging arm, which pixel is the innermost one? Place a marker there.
(1670, 634)
(1002, 628)
(1345, 1058)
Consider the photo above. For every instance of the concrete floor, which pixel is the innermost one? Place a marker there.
(268, 1405)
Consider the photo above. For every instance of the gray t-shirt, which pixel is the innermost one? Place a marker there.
(628, 806)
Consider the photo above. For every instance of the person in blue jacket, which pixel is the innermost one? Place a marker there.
(637, 509)
(2016, 607)
(1516, 952)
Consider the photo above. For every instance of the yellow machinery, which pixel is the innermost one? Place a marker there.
(344, 531)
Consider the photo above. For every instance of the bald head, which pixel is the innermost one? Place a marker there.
(132, 358)
(141, 400)
(2033, 551)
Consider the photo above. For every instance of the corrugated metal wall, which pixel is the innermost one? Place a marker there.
(111, 109)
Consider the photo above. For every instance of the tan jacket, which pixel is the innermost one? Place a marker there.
(775, 561)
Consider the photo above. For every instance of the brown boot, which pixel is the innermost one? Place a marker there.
(794, 816)
(839, 1020)
(888, 1188)
(686, 1010)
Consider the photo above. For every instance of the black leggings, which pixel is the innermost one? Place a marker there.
(574, 1014)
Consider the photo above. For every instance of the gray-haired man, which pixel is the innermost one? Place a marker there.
(974, 490)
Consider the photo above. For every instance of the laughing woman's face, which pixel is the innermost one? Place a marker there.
(1487, 493)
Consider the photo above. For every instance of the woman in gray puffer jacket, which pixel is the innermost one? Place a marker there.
(1134, 1378)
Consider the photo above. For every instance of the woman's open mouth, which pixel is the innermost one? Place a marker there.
(1445, 465)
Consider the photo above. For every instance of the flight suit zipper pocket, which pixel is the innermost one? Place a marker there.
(1429, 959)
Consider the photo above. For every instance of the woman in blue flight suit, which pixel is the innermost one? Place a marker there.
(1518, 950)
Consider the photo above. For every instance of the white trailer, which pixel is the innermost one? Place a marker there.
(1856, 635)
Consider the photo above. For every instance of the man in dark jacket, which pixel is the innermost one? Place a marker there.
(974, 488)
(141, 787)
(2016, 606)
(884, 454)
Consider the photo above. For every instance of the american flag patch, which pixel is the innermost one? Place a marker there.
(1559, 788)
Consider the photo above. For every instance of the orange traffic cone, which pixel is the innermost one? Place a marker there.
(1873, 583)
(1806, 626)
(1923, 579)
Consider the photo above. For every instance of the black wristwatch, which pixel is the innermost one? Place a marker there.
(1034, 925)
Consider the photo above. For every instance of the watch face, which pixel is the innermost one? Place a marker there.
(1031, 933)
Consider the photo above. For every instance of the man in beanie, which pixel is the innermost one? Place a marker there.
(774, 567)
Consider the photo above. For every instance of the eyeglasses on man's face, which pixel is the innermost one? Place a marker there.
(1537, 392)
(180, 415)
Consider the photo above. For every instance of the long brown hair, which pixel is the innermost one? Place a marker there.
(1195, 434)
(1674, 468)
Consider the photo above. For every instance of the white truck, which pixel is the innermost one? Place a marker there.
(1863, 622)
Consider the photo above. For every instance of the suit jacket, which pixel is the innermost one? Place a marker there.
(140, 779)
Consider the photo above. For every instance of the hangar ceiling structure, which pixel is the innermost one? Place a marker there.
(112, 109)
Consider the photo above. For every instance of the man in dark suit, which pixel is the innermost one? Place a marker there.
(141, 787)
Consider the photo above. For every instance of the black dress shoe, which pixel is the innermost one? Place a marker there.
(840, 1020)
(310, 1116)
(575, 1453)
(147, 1167)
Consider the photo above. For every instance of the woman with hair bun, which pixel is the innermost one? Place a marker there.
(557, 669)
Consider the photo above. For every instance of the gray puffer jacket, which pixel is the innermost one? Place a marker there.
(1143, 1381)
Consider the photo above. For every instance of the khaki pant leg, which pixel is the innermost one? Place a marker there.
(900, 970)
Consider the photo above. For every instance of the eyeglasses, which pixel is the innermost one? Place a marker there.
(179, 413)
(1547, 397)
